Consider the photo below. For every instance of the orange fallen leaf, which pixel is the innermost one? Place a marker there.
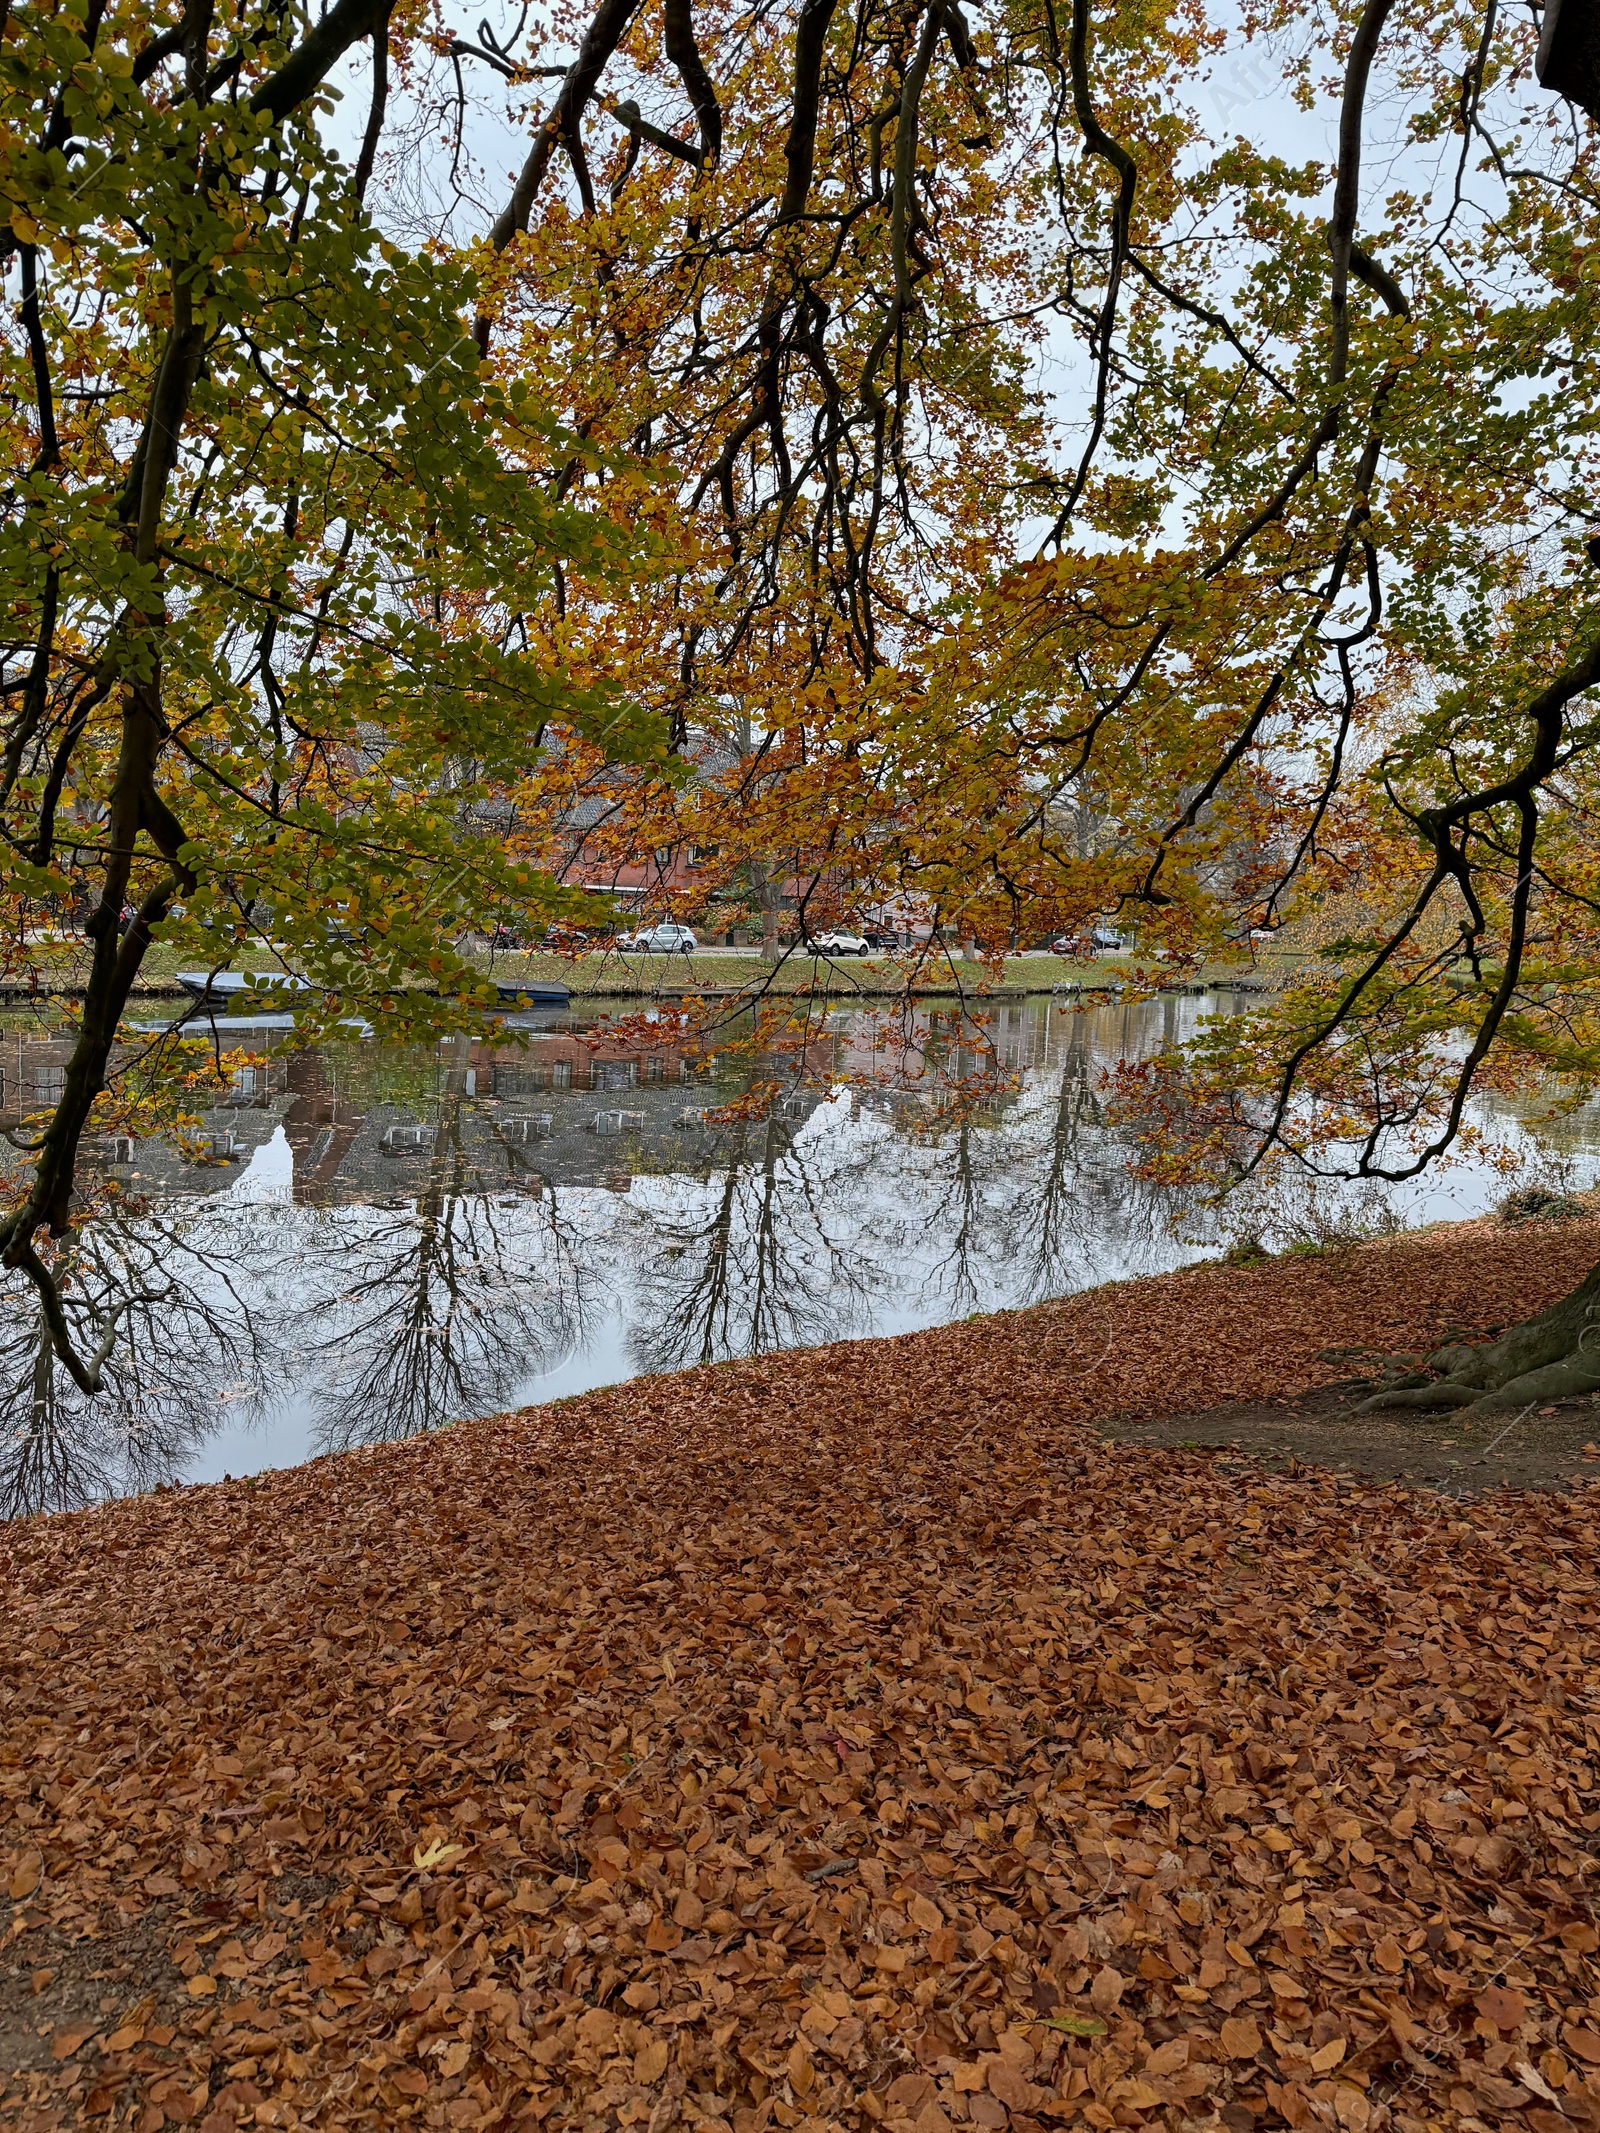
(1107, 1989)
(1009, 2084)
(599, 1562)
(1501, 2006)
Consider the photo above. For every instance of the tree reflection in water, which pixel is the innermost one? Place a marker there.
(761, 1255)
(442, 1307)
(166, 1296)
(389, 1319)
(381, 1319)
(1079, 1210)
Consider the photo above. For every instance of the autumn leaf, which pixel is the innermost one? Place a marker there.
(1107, 1989)
(601, 1556)
(435, 1855)
(1500, 2005)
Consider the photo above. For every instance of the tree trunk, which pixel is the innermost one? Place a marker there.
(768, 889)
(1555, 1356)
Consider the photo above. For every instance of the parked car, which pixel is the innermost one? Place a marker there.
(1104, 940)
(879, 939)
(667, 938)
(838, 943)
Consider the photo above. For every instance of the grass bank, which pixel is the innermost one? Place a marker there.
(616, 976)
(846, 1739)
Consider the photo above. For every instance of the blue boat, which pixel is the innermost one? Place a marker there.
(532, 992)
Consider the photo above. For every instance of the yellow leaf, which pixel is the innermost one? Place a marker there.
(1328, 2057)
(1076, 2025)
(436, 1854)
(201, 1986)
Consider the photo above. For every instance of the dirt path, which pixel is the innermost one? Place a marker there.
(1555, 1447)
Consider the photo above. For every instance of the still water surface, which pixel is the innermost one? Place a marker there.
(379, 1241)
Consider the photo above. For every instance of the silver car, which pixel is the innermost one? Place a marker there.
(667, 938)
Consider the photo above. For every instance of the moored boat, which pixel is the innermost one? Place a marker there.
(536, 992)
(230, 984)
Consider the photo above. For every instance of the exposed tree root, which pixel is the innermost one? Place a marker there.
(1555, 1356)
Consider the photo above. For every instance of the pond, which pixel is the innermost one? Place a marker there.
(365, 1242)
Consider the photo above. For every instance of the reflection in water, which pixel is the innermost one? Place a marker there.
(429, 1310)
(390, 1241)
(761, 1255)
(168, 1300)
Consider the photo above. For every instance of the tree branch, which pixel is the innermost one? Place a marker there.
(375, 114)
(605, 32)
(309, 64)
(1347, 185)
(684, 54)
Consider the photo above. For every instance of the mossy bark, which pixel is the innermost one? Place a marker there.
(1555, 1356)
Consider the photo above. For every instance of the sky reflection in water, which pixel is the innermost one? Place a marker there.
(404, 1240)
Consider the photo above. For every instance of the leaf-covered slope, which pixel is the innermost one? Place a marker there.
(836, 1739)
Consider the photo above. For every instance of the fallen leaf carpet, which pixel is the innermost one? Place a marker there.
(839, 1739)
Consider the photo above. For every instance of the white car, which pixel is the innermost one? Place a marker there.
(665, 939)
(839, 944)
